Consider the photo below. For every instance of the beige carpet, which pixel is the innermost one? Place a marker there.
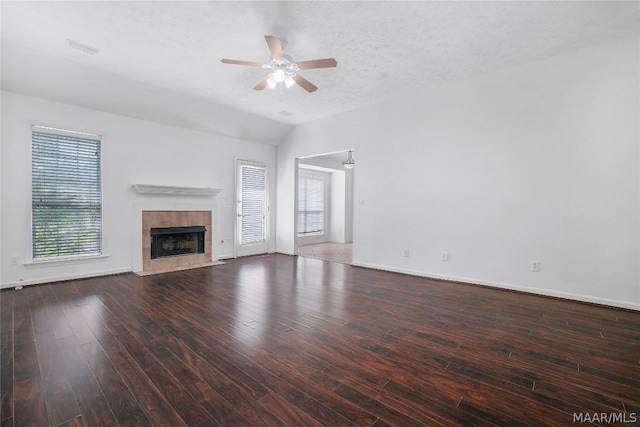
(334, 252)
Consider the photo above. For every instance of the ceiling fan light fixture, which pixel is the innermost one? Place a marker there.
(278, 76)
(349, 163)
(288, 80)
(284, 69)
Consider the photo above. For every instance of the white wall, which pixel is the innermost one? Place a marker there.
(134, 151)
(337, 207)
(534, 163)
(348, 196)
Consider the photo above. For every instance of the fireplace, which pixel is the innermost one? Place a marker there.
(174, 241)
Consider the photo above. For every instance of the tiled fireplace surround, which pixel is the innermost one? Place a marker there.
(157, 219)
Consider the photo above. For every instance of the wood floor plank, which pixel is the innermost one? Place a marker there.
(288, 413)
(25, 362)
(39, 314)
(210, 399)
(154, 404)
(79, 327)
(240, 378)
(22, 325)
(61, 401)
(6, 355)
(255, 370)
(315, 383)
(427, 412)
(6, 375)
(30, 406)
(221, 411)
(6, 311)
(57, 319)
(251, 408)
(216, 379)
(299, 368)
(122, 402)
(185, 405)
(325, 415)
(280, 340)
(76, 422)
(94, 408)
(375, 407)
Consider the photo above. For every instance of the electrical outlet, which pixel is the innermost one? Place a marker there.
(405, 253)
(535, 266)
(445, 256)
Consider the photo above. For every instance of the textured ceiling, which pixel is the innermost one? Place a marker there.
(161, 60)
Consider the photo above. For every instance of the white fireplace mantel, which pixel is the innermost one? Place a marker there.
(166, 190)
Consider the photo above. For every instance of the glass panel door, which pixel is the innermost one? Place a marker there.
(252, 208)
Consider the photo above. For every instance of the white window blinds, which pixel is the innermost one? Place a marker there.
(66, 195)
(254, 203)
(310, 204)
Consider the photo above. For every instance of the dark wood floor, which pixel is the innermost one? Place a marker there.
(279, 340)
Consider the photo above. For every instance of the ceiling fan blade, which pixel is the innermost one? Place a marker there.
(275, 46)
(317, 63)
(262, 83)
(304, 83)
(238, 62)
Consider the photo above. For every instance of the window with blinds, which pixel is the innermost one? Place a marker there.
(254, 203)
(66, 194)
(310, 204)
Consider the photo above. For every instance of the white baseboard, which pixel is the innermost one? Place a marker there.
(225, 256)
(65, 277)
(545, 292)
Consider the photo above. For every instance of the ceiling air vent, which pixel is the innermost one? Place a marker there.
(82, 47)
(285, 113)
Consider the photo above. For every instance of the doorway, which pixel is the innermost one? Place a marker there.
(324, 208)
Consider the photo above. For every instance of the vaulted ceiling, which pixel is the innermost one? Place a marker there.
(160, 61)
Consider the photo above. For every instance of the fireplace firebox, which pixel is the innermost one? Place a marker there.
(174, 241)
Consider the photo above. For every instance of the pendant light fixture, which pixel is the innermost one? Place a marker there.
(349, 163)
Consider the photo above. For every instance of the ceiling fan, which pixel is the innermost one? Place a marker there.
(284, 68)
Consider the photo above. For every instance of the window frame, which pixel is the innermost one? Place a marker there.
(55, 130)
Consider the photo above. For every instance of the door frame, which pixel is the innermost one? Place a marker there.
(301, 159)
(262, 248)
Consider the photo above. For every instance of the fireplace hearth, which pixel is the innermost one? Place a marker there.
(175, 241)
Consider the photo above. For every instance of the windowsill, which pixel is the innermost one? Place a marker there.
(64, 261)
